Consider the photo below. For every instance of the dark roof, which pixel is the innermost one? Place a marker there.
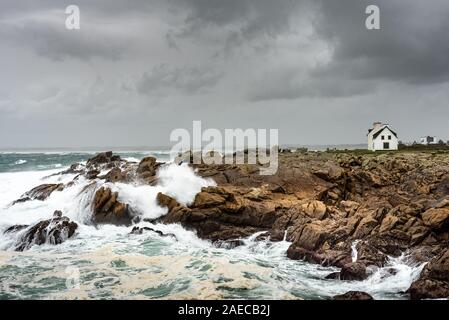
(381, 130)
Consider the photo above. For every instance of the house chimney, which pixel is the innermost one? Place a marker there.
(377, 125)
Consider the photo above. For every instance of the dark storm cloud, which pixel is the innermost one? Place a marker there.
(412, 46)
(148, 66)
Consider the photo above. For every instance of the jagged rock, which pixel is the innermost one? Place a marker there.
(107, 209)
(41, 192)
(92, 174)
(436, 218)
(315, 209)
(115, 175)
(207, 200)
(228, 244)
(433, 282)
(141, 230)
(147, 165)
(15, 228)
(103, 159)
(166, 201)
(353, 295)
(354, 271)
(52, 231)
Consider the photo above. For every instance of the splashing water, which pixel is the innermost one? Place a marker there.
(109, 262)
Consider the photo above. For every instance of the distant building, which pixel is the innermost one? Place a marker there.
(382, 137)
(428, 140)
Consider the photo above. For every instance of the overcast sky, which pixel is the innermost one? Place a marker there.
(138, 69)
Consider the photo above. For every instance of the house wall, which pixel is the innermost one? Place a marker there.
(379, 143)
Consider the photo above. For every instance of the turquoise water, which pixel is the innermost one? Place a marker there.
(15, 162)
(107, 262)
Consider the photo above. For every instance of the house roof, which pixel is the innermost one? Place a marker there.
(378, 132)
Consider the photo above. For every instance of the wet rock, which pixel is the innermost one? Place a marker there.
(92, 174)
(354, 271)
(52, 231)
(103, 159)
(41, 192)
(228, 244)
(107, 209)
(15, 228)
(141, 230)
(353, 295)
(433, 282)
(115, 175)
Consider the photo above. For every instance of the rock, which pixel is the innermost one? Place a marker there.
(15, 228)
(92, 174)
(52, 231)
(166, 201)
(353, 295)
(428, 289)
(436, 218)
(147, 164)
(40, 193)
(102, 159)
(207, 200)
(365, 227)
(433, 282)
(107, 209)
(315, 209)
(354, 271)
(228, 244)
(388, 223)
(141, 230)
(312, 237)
(115, 175)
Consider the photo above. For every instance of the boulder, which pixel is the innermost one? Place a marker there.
(315, 209)
(354, 271)
(107, 209)
(433, 282)
(436, 218)
(353, 295)
(52, 231)
(40, 193)
(102, 159)
(141, 230)
(207, 200)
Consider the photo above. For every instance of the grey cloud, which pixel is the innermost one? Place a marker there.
(412, 45)
(166, 79)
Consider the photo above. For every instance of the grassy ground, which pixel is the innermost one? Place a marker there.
(434, 149)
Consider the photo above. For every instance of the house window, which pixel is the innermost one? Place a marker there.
(383, 137)
(389, 137)
(386, 145)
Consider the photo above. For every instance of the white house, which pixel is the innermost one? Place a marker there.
(382, 137)
(428, 140)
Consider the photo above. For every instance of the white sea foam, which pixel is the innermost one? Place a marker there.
(259, 268)
(20, 161)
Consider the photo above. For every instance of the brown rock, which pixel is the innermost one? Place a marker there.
(436, 218)
(41, 192)
(315, 209)
(353, 295)
(207, 200)
(353, 271)
(107, 209)
(52, 231)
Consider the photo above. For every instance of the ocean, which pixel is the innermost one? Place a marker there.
(107, 262)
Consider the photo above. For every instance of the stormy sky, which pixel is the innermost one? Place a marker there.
(138, 69)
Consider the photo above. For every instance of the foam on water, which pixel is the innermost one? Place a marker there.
(113, 263)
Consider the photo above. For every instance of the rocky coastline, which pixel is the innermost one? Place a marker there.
(327, 204)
